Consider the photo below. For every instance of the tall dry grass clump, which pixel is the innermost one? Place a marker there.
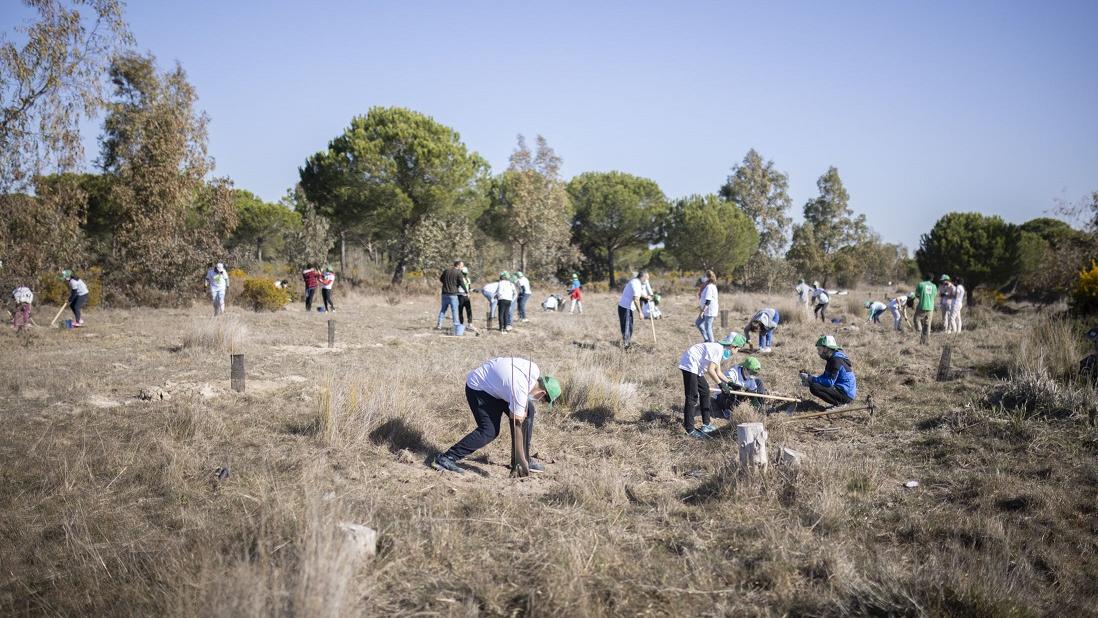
(600, 391)
(220, 334)
(1050, 348)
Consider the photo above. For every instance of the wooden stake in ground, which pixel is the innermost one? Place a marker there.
(59, 311)
(520, 465)
(236, 372)
(751, 438)
(943, 363)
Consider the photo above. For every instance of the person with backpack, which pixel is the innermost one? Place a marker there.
(501, 386)
(822, 299)
(78, 296)
(837, 385)
(699, 362)
(312, 277)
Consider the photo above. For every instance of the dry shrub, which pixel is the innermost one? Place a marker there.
(1034, 395)
(591, 391)
(220, 334)
(1051, 348)
(362, 409)
(793, 311)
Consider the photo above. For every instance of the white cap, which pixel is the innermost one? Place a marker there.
(220, 266)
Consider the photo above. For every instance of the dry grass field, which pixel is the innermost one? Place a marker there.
(110, 504)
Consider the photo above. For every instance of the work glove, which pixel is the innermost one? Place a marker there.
(805, 378)
(725, 387)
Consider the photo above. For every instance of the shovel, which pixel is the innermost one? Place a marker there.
(520, 466)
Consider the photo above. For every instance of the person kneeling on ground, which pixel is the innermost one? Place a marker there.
(836, 385)
(765, 321)
(501, 386)
(698, 362)
(551, 303)
(743, 378)
(1088, 367)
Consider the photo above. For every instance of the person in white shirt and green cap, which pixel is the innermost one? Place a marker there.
(501, 386)
(699, 362)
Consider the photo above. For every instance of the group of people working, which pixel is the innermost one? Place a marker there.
(504, 295)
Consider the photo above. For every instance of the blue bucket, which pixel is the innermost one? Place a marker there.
(459, 330)
(68, 323)
(320, 310)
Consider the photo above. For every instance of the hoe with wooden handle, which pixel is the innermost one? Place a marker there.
(54, 320)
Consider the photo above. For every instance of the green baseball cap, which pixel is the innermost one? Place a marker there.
(65, 275)
(734, 339)
(944, 278)
(504, 275)
(551, 386)
(752, 364)
(828, 341)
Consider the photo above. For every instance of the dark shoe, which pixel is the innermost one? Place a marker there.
(535, 465)
(445, 462)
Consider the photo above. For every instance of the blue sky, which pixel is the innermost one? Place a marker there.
(925, 107)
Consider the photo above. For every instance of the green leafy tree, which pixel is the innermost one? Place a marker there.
(530, 211)
(706, 232)
(262, 226)
(171, 222)
(312, 240)
(53, 80)
(762, 193)
(614, 211)
(834, 224)
(1050, 255)
(390, 170)
(804, 252)
(980, 248)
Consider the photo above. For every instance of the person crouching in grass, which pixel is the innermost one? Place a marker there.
(501, 386)
(699, 362)
(743, 378)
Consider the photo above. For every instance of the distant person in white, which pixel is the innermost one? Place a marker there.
(631, 298)
(953, 319)
(218, 282)
(708, 306)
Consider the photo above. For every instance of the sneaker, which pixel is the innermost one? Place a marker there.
(508, 329)
(708, 428)
(445, 462)
(694, 433)
(766, 350)
(535, 465)
(524, 320)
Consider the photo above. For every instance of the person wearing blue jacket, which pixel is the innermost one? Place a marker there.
(836, 385)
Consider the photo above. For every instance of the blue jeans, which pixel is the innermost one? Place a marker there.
(448, 301)
(625, 319)
(705, 326)
(766, 337)
(522, 305)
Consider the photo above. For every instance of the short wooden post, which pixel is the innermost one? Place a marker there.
(751, 438)
(236, 372)
(943, 363)
(331, 333)
(724, 319)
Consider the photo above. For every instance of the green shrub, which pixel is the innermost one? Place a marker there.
(262, 295)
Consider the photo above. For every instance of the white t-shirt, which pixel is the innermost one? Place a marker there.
(698, 356)
(959, 297)
(633, 289)
(524, 285)
(506, 290)
(23, 294)
(821, 296)
(877, 306)
(219, 282)
(710, 293)
(489, 290)
(508, 379)
(804, 291)
(328, 280)
(80, 287)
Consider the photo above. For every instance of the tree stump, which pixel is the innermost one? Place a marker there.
(751, 438)
(362, 539)
(790, 457)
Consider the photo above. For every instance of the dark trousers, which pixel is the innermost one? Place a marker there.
(724, 403)
(309, 292)
(327, 294)
(76, 304)
(504, 307)
(821, 311)
(697, 393)
(877, 316)
(488, 412)
(625, 319)
(465, 308)
(829, 394)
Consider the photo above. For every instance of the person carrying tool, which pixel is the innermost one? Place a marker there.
(1088, 367)
(874, 309)
(451, 280)
(837, 385)
(24, 304)
(698, 362)
(708, 306)
(524, 293)
(631, 298)
(822, 299)
(743, 378)
(505, 295)
(465, 306)
(78, 296)
(217, 280)
(327, 281)
(925, 295)
(898, 307)
(764, 321)
(311, 277)
(501, 386)
(575, 293)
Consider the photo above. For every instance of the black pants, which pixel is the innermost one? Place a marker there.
(821, 311)
(309, 298)
(504, 309)
(725, 403)
(465, 308)
(877, 316)
(829, 394)
(76, 304)
(328, 304)
(697, 393)
(488, 412)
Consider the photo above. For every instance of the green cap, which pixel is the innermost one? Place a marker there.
(752, 364)
(519, 274)
(65, 275)
(828, 341)
(734, 339)
(868, 303)
(504, 275)
(944, 278)
(551, 386)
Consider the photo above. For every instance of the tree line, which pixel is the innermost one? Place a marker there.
(405, 190)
